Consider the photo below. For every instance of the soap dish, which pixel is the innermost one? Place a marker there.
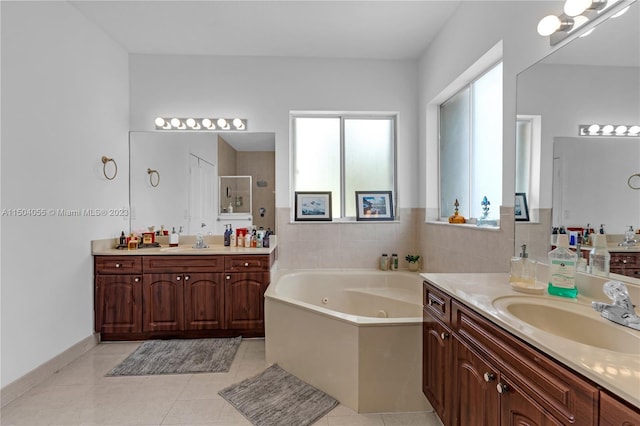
(532, 289)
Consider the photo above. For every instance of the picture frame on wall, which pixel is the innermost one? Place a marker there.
(374, 205)
(521, 209)
(313, 206)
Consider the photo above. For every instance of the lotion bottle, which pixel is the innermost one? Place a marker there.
(599, 257)
(562, 269)
(174, 238)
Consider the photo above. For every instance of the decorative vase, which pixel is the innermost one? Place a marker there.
(413, 266)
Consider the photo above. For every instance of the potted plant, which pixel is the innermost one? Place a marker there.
(413, 261)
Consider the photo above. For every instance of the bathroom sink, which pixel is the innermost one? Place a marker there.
(175, 249)
(570, 320)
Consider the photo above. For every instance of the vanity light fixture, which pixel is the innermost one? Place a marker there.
(609, 130)
(577, 13)
(190, 123)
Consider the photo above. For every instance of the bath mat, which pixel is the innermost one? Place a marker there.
(277, 398)
(179, 357)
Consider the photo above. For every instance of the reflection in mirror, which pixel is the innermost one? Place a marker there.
(190, 164)
(581, 179)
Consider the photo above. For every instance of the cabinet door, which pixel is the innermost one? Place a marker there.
(118, 303)
(163, 307)
(475, 399)
(203, 301)
(244, 300)
(436, 350)
(616, 413)
(518, 409)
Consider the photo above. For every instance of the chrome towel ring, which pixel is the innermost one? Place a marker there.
(153, 173)
(105, 161)
(634, 181)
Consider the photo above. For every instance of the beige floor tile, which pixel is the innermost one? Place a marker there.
(410, 419)
(194, 411)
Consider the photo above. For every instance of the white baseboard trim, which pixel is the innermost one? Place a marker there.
(20, 386)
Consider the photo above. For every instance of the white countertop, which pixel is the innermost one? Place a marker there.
(617, 372)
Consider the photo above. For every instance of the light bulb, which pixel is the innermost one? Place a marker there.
(191, 123)
(621, 130)
(160, 122)
(175, 122)
(576, 7)
(634, 130)
(238, 124)
(548, 25)
(579, 21)
(606, 130)
(594, 128)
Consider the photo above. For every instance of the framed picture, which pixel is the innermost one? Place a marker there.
(313, 206)
(374, 205)
(521, 208)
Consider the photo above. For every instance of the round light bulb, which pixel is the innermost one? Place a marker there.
(621, 130)
(191, 122)
(548, 25)
(606, 130)
(594, 128)
(175, 122)
(207, 123)
(237, 123)
(634, 130)
(160, 122)
(576, 7)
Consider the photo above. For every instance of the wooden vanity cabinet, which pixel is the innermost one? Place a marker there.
(182, 293)
(476, 373)
(625, 263)
(118, 295)
(246, 280)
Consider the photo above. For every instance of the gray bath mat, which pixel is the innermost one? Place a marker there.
(179, 357)
(277, 398)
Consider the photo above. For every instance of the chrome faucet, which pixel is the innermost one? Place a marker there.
(621, 310)
(629, 238)
(200, 242)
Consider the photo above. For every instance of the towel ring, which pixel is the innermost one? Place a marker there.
(106, 160)
(637, 176)
(151, 174)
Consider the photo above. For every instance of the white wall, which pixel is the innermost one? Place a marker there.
(64, 106)
(266, 90)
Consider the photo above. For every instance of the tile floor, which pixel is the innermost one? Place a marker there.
(80, 394)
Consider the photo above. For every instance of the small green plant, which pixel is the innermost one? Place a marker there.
(412, 258)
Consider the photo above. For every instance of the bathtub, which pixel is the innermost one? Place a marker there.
(354, 334)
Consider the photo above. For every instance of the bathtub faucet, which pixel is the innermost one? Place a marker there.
(621, 310)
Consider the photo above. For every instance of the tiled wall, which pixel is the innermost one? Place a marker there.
(535, 234)
(443, 247)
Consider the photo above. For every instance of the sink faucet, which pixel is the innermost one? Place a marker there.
(200, 242)
(621, 310)
(629, 238)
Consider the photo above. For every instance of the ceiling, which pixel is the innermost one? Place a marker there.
(388, 30)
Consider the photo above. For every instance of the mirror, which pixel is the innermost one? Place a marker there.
(574, 180)
(182, 189)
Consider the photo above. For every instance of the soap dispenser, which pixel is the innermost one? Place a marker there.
(174, 238)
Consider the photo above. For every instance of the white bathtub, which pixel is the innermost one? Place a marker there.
(355, 334)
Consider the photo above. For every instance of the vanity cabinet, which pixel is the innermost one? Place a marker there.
(625, 263)
(474, 372)
(165, 296)
(118, 295)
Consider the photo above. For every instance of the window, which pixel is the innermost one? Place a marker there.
(344, 154)
(471, 146)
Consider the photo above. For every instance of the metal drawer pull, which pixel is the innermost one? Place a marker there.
(246, 263)
(136, 280)
(444, 335)
(502, 388)
(489, 377)
(178, 278)
(186, 277)
(434, 302)
(228, 277)
(117, 265)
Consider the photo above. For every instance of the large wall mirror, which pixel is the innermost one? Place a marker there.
(174, 178)
(573, 180)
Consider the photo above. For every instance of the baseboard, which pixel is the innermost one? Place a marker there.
(20, 386)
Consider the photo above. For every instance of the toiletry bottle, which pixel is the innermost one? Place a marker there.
(384, 262)
(601, 231)
(123, 240)
(173, 238)
(599, 257)
(233, 238)
(562, 269)
(554, 236)
(581, 266)
(227, 236)
(585, 236)
(247, 239)
(265, 239)
(394, 262)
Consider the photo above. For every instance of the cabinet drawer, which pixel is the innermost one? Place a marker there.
(201, 263)
(620, 260)
(247, 263)
(436, 302)
(551, 385)
(118, 264)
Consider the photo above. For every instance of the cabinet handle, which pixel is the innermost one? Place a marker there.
(246, 263)
(624, 261)
(136, 280)
(186, 277)
(489, 377)
(117, 265)
(228, 277)
(178, 278)
(502, 388)
(444, 335)
(434, 302)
